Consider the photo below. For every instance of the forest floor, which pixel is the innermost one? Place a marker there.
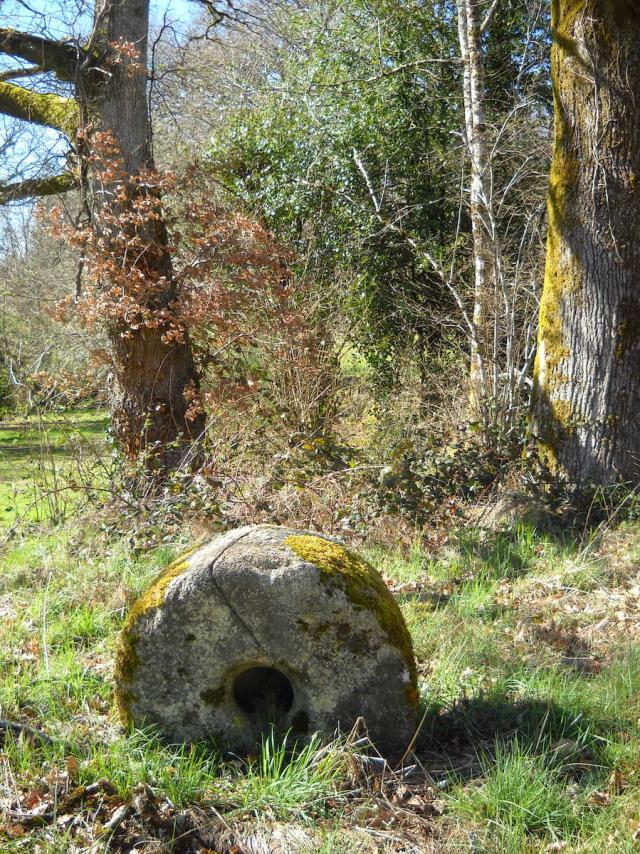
(528, 649)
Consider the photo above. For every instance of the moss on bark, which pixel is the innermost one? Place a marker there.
(48, 110)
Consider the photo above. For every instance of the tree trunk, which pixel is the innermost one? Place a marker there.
(469, 35)
(588, 362)
(154, 375)
(155, 393)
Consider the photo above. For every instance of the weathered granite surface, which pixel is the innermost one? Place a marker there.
(268, 625)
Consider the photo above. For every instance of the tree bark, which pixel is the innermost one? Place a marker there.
(155, 382)
(61, 57)
(46, 110)
(588, 362)
(154, 374)
(38, 187)
(469, 36)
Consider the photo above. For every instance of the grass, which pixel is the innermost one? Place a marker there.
(522, 798)
(36, 455)
(289, 783)
(529, 664)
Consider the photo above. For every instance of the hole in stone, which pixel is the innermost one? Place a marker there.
(263, 691)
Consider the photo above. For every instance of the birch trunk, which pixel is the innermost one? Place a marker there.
(588, 362)
(469, 35)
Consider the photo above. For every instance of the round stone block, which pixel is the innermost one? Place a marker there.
(265, 626)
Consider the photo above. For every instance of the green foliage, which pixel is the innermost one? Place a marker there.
(349, 156)
(289, 782)
(184, 772)
(350, 149)
(7, 399)
(523, 795)
(427, 472)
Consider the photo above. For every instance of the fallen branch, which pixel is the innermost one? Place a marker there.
(18, 729)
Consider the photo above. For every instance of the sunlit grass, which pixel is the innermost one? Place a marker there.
(39, 456)
(522, 802)
(545, 737)
(290, 781)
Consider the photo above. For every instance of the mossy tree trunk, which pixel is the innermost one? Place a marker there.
(155, 380)
(154, 375)
(588, 362)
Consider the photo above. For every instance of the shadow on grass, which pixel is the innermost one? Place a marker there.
(504, 554)
(471, 727)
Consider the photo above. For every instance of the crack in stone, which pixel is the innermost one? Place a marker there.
(224, 596)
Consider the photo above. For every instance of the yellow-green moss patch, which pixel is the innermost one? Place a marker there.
(127, 659)
(154, 595)
(44, 109)
(213, 696)
(362, 585)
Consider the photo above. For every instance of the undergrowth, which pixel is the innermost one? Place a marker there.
(528, 649)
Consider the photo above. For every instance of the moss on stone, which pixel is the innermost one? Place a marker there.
(126, 663)
(127, 659)
(362, 585)
(359, 643)
(154, 595)
(213, 696)
(411, 693)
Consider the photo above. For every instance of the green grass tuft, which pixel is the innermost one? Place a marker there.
(521, 801)
(287, 781)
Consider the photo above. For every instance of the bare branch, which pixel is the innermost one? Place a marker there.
(60, 57)
(372, 192)
(487, 18)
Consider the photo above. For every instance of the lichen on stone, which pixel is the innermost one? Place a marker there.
(362, 585)
(127, 659)
(213, 696)
(154, 595)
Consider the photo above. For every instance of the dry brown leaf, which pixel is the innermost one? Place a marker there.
(13, 831)
(73, 766)
(617, 783)
(599, 799)
(405, 587)
(32, 799)
(401, 794)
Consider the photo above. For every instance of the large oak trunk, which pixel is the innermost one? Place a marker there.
(588, 363)
(154, 375)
